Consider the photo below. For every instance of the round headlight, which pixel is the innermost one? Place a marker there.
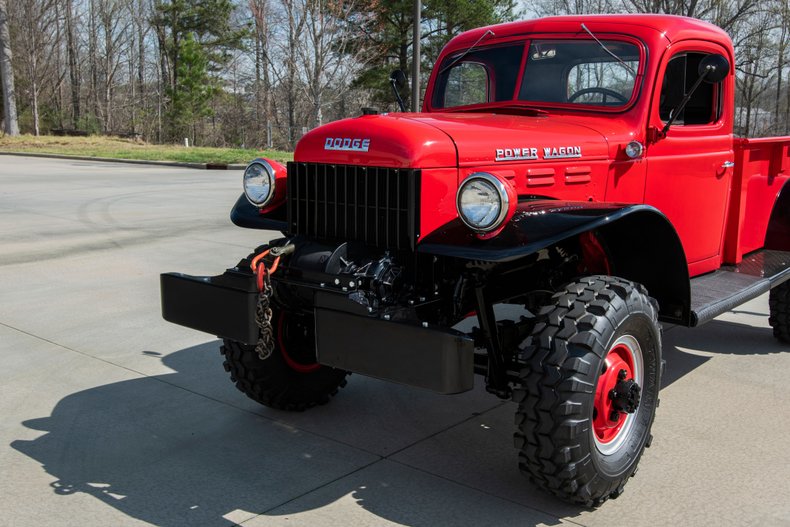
(259, 182)
(482, 202)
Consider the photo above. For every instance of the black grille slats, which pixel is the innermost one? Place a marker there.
(373, 205)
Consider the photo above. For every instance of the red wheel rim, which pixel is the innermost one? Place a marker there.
(292, 363)
(622, 362)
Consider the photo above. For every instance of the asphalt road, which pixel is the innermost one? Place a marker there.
(111, 416)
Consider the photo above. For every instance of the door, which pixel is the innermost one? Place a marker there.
(689, 170)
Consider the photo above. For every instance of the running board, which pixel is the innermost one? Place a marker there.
(720, 291)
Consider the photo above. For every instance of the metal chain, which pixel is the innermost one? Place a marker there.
(263, 318)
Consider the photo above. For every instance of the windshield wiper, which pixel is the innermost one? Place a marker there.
(610, 52)
(468, 50)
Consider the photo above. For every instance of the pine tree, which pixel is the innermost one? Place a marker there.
(387, 32)
(195, 39)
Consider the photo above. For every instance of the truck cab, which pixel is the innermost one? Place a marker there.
(582, 169)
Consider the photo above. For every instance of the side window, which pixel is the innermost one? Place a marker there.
(704, 106)
(467, 83)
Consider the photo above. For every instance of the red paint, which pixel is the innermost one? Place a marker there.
(762, 167)
(719, 212)
(605, 427)
(280, 179)
(396, 141)
(594, 259)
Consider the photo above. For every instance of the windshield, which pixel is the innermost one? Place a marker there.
(567, 72)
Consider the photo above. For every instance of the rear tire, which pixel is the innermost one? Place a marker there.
(578, 438)
(290, 378)
(779, 304)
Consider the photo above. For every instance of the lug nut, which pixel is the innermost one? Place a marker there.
(351, 284)
(386, 317)
(425, 324)
(337, 281)
(622, 375)
(614, 416)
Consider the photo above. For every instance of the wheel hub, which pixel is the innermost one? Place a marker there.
(626, 394)
(617, 394)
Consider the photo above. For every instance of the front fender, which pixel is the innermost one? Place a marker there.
(535, 225)
(245, 214)
(640, 242)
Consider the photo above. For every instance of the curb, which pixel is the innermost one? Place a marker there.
(182, 164)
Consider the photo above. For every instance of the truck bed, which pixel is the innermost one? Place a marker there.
(715, 293)
(762, 166)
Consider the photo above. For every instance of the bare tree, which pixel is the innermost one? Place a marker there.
(113, 31)
(260, 11)
(73, 59)
(324, 50)
(36, 19)
(7, 74)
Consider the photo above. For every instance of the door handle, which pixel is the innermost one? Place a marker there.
(728, 164)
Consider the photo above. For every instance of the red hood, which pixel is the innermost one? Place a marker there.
(434, 140)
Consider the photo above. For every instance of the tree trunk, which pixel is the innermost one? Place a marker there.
(7, 74)
(34, 103)
(141, 55)
(94, 67)
(74, 73)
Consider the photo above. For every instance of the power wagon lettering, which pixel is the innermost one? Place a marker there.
(346, 143)
(563, 152)
(528, 154)
(516, 154)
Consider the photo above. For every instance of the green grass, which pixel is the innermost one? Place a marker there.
(116, 148)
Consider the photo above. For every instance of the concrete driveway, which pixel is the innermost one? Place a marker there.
(111, 416)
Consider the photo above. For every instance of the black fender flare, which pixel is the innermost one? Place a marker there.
(640, 242)
(777, 235)
(245, 214)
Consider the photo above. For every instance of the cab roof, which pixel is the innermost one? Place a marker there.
(672, 28)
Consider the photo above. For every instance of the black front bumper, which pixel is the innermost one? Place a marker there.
(434, 358)
(222, 305)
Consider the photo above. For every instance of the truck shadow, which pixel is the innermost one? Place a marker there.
(170, 457)
(174, 457)
(686, 349)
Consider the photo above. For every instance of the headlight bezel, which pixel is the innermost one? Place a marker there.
(504, 201)
(270, 172)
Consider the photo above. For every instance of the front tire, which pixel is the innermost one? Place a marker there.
(289, 378)
(588, 394)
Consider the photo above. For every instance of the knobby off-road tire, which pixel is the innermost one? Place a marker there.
(779, 304)
(289, 379)
(593, 328)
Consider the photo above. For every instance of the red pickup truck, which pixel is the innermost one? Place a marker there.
(582, 168)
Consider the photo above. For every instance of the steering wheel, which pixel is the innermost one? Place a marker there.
(603, 91)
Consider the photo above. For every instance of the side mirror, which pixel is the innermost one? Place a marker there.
(398, 82)
(398, 79)
(711, 69)
(714, 68)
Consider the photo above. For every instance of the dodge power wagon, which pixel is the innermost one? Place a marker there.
(581, 168)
